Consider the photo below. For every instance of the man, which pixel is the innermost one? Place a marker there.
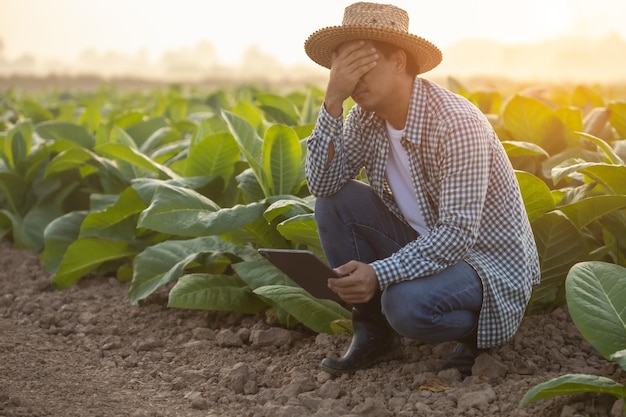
(435, 245)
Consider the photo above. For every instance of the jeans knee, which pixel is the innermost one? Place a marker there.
(406, 317)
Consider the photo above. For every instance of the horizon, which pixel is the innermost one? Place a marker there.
(190, 39)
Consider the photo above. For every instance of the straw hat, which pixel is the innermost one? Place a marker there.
(373, 21)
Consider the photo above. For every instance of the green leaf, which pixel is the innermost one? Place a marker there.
(117, 221)
(583, 212)
(596, 299)
(58, 236)
(282, 159)
(18, 143)
(251, 114)
(302, 229)
(573, 384)
(517, 148)
(72, 158)
(249, 185)
(13, 188)
(146, 187)
(610, 155)
(536, 194)
(119, 136)
(559, 245)
(260, 273)
(86, 255)
(31, 232)
(611, 177)
(528, 119)
(314, 313)
(251, 145)
(618, 117)
(165, 262)
(123, 152)
(279, 108)
(214, 292)
(142, 131)
(287, 207)
(70, 132)
(184, 212)
(159, 137)
(214, 155)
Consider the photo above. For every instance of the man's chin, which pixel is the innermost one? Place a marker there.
(360, 100)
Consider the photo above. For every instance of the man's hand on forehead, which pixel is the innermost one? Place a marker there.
(356, 44)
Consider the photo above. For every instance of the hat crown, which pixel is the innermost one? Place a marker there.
(375, 15)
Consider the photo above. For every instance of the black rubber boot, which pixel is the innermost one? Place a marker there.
(373, 341)
(464, 356)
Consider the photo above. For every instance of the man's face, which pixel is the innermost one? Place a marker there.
(373, 88)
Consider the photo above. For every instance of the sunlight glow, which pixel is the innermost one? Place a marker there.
(66, 31)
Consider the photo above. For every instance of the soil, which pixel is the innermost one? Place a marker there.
(86, 351)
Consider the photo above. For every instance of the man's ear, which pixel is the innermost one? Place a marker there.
(399, 60)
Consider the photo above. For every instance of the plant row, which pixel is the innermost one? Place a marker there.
(175, 190)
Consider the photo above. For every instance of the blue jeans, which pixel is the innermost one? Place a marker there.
(354, 224)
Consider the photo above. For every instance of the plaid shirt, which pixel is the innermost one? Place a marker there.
(465, 187)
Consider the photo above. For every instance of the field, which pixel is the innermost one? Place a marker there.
(169, 190)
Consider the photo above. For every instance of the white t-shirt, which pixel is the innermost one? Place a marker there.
(398, 175)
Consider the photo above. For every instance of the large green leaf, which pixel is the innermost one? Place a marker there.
(611, 177)
(73, 158)
(117, 221)
(302, 229)
(610, 156)
(146, 187)
(596, 299)
(214, 292)
(142, 131)
(184, 212)
(126, 153)
(286, 207)
(30, 234)
(314, 313)
(13, 188)
(70, 132)
(259, 273)
(618, 117)
(58, 236)
(516, 148)
(583, 212)
(536, 194)
(87, 163)
(571, 384)
(282, 159)
(165, 262)
(528, 119)
(280, 109)
(158, 138)
(86, 255)
(251, 145)
(560, 245)
(214, 155)
(18, 143)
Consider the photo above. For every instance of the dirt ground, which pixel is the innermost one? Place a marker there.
(86, 351)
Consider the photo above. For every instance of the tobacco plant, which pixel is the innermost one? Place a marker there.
(596, 299)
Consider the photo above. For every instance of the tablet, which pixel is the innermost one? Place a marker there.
(305, 269)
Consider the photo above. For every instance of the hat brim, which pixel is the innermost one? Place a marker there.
(321, 44)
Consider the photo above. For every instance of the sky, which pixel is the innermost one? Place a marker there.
(63, 29)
